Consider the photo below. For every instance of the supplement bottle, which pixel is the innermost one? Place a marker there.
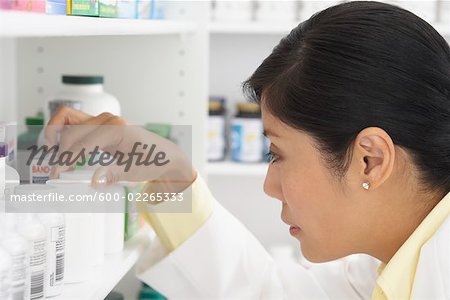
(246, 134)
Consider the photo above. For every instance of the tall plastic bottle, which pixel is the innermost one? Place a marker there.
(34, 232)
(56, 229)
(78, 237)
(12, 178)
(110, 234)
(17, 247)
(30, 227)
(5, 269)
(98, 219)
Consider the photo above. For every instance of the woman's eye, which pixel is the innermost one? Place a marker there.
(271, 157)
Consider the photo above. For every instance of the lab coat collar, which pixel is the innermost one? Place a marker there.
(398, 276)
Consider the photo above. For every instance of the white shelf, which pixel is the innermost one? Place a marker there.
(27, 24)
(251, 28)
(228, 168)
(443, 29)
(279, 28)
(106, 276)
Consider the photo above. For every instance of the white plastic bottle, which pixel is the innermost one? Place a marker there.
(5, 270)
(17, 247)
(78, 237)
(12, 178)
(55, 226)
(34, 232)
(216, 131)
(98, 219)
(108, 227)
(86, 90)
(114, 232)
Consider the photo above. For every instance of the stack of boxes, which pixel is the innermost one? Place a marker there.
(129, 9)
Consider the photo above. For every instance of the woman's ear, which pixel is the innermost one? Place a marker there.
(375, 153)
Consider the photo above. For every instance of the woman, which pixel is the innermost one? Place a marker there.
(356, 104)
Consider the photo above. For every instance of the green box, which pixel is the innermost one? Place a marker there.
(108, 8)
(85, 8)
(131, 214)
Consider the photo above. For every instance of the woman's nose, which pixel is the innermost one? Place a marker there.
(272, 184)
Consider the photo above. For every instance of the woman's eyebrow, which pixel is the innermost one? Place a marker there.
(267, 132)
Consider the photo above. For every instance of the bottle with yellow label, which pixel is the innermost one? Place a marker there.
(216, 131)
(246, 133)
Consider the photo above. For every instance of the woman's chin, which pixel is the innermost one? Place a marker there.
(318, 256)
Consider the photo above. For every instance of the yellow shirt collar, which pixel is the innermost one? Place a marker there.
(397, 277)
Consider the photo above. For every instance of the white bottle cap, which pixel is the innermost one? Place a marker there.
(29, 189)
(78, 175)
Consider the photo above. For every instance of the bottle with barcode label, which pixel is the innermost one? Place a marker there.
(56, 233)
(5, 274)
(34, 232)
(17, 248)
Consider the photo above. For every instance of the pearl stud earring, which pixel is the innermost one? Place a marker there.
(366, 185)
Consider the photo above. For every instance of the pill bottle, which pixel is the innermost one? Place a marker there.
(5, 274)
(17, 248)
(11, 177)
(246, 133)
(85, 93)
(78, 235)
(109, 224)
(34, 232)
(56, 231)
(98, 219)
(216, 131)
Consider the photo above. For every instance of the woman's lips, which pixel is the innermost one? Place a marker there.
(294, 230)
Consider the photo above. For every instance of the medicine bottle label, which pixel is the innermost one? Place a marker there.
(246, 141)
(56, 256)
(39, 172)
(216, 138)
(37, 269)
(18, 276)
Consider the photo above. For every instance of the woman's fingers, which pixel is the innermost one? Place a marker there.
(107, 135)
(71, 134)
(63, 116)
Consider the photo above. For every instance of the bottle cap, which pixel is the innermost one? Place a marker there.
(249, 107)
(78, 175)
(80, 79)
(34, 121)
(29, 189)
(3, 149)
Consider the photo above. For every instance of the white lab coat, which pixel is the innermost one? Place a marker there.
(223, 260)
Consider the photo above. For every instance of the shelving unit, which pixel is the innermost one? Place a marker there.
(42, 25)
(164, 63)
(107, 275)
(251, 28)
(157, 69)
(167, 63)
(260, 28)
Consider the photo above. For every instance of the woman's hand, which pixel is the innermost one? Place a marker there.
(118, 151)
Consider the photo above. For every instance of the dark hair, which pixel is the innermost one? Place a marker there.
(357, 65)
